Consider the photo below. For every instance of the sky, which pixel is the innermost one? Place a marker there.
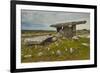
(41, 20)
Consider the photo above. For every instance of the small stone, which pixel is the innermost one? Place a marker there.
(53, 52)
(66, 49)
(40, 54)
(85, 44)
(58, 52)
(35, 46)
(56, 43)
(54, 39)
(71, 50)
(88, 36)
(75, 38)
(27, 56)
(48, 49)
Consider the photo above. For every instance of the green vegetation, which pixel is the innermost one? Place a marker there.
(60, 50)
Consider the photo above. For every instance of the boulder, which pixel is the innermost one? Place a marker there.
(75, 38)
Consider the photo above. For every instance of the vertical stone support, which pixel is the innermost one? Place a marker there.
(74, 30)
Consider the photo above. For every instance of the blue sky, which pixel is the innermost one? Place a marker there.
(41, 20)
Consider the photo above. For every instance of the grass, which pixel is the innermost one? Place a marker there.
(49, 52)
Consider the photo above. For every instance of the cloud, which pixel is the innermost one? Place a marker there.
(43, 19)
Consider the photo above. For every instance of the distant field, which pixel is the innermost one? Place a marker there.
(60, 50)
(33, 33)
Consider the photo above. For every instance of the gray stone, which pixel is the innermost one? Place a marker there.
(66, 49)
(71, 50)
(75, 38)
(85, 44)
(40, 53)
(58, 52)
(27, 56)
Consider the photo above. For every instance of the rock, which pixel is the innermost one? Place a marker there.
(27, 56)
(75, 38)
(69, 25)
(58, 35)
(37, 40)
(84, 36)
(85, 44)
(36, 46)
(71, 50)
(88, 36)
(54, 39)
(58, 52)
(48, 48)
(56, 44)
(66, 49)
(40, 53)
(53, 52)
